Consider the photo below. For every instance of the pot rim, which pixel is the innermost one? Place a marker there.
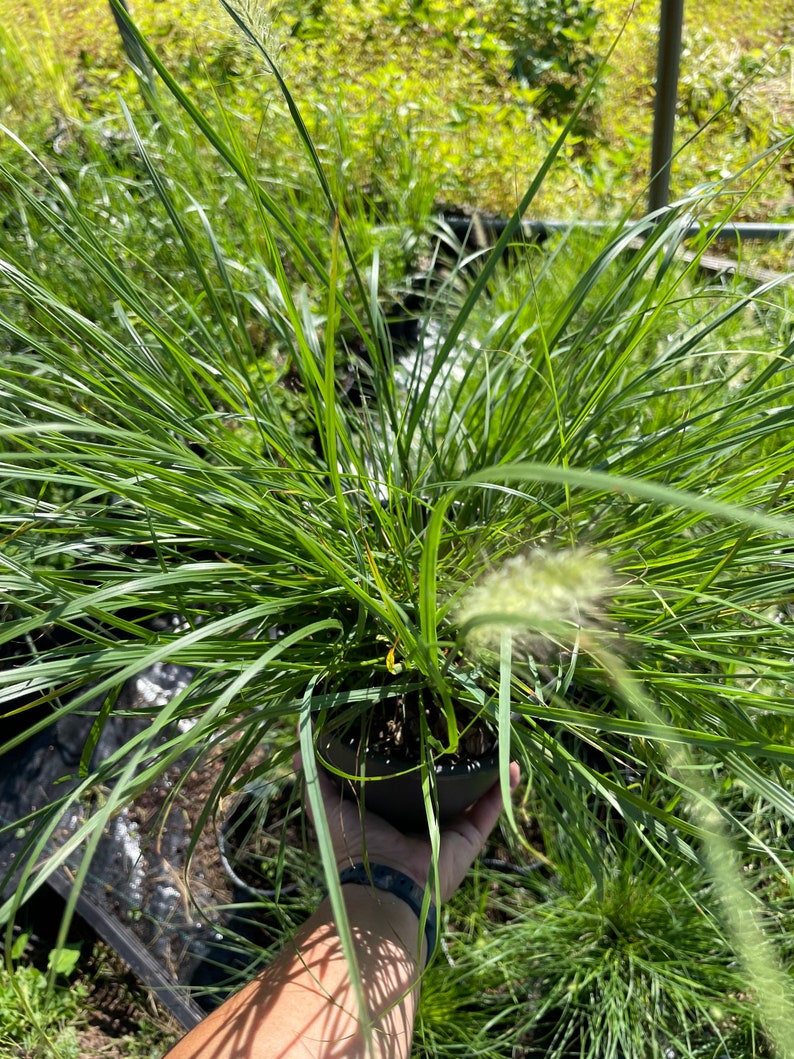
(403, 766)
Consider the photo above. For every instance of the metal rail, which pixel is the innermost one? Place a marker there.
(539, 230)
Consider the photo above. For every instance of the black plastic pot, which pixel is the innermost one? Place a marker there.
(392, 788)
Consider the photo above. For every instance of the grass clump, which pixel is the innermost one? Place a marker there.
(216, 421)
(630, 962)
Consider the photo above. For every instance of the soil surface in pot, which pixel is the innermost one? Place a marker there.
(395, 729)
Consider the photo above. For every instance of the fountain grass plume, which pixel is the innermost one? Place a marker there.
(534, 597)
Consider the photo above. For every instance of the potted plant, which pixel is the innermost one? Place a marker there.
(481, 549)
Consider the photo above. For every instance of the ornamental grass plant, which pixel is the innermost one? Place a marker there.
(629, 962)
(564, 508)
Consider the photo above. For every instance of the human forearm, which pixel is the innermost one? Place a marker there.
(304, 1004)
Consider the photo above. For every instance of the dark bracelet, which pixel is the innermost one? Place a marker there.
(394, 882)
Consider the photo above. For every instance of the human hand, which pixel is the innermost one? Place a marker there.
(361, 836)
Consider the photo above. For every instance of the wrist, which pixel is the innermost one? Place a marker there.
(373, 912)
(400, 887)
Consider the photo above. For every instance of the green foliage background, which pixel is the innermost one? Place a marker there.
(383, 83)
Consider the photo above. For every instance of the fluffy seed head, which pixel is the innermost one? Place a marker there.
(538, 599)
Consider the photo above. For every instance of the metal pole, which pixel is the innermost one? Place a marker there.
(668, 63)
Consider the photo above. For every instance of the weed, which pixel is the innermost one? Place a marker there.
(39, 1018)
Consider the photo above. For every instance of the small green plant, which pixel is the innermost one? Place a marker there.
(552, 47)
(39, 1018)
